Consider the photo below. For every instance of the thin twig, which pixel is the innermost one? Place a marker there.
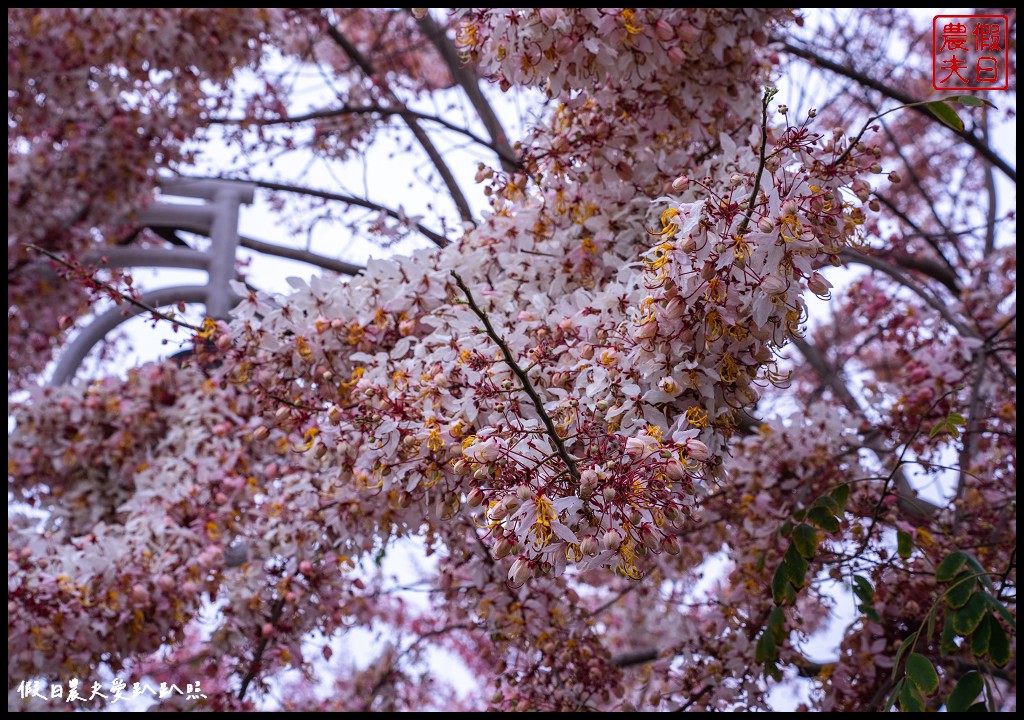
(261, 647)
(364, 64)
(435, 237)
(528, 388)
(970, 138)
(111, 289)
(769, 93)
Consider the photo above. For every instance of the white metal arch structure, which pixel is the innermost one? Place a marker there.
(217, 218)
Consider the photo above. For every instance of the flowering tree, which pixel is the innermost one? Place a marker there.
(577, 403)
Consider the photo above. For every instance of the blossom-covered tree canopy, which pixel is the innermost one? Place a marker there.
(639, 463)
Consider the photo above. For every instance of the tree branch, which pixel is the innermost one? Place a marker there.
(970, 138)
(338, 266)
(635, 657)
(435, 237)
(113, 291)
(328, 113)
(528, 388)
(467, 79)
(909, 501)
(880, 264)
(418, 132)
(261, 647)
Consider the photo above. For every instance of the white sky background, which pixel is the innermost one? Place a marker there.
(391, 181)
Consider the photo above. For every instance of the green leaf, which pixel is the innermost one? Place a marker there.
(786, 529)
(922, 673)
(766, 650)
(797, 567)
(904, 544)
(892, 696)
(969, 101)
(979, 706)
(946, 115)
(948, 642)
(904, 646)
(980, 572)
(999, 643)
(781, 590)
(870, 613)
(911, 699)
(967, 690)
(777, 624)
(960, 590)
(948, 568)
(1002, 611)
(823, 519)
(829, 503)
(980, 638)
(841, 494)
(805, 539)
(967, 618)
(932, 616)
(862, 589)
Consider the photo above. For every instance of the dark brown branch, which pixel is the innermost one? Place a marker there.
(973, 429)
(338, 266)
(467, 79)
(528, 388)
(435, 237)
(880, 264)
(418, 132)
(929, 267)
(930, 238)
(909, 501)
(328, 113)
(114, 291)
(769, 93)
(968, 137)
(261, 647)
(635, 657)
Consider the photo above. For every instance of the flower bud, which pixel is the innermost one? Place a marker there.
(675, 470)
(502, 548)
(697, 450)
(524, 493)
(818, 285)
(475, 497)
(765, 225)
(645, 331)
(589, 546)
(663, 30)
(520, 571)
(611, 540)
